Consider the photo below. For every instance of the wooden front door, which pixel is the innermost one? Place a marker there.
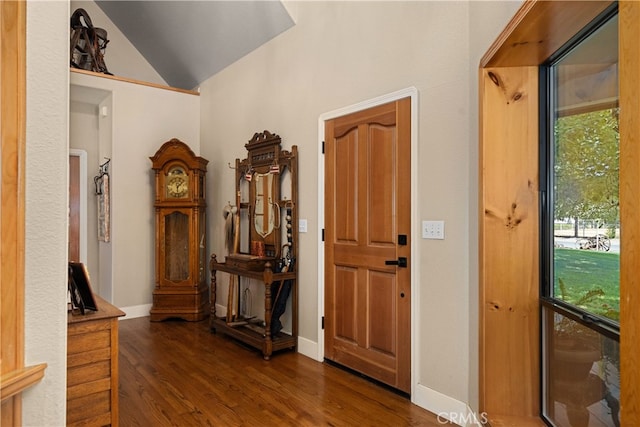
(367, 223)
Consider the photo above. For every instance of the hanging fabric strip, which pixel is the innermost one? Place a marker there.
(104, 217)
(101, 182)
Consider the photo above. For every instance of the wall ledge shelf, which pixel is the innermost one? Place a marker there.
(138, 82)
(15, 382)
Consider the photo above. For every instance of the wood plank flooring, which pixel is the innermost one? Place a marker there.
(177, 373)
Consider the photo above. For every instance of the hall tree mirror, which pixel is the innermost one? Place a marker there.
(263, 201)
(265, 213)
(264, 188)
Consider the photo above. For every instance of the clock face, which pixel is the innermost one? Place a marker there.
(177, 183)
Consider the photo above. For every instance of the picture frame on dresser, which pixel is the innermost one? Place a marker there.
(80, 288)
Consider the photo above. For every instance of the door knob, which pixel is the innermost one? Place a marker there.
(400, 262)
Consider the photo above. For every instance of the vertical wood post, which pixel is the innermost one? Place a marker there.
(509, 225)
(12, 112)
(629, 40)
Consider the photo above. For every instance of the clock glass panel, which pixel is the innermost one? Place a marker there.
(176, 251)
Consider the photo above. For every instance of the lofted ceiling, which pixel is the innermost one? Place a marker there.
(187, 42)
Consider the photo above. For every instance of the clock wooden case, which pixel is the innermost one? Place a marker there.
(181, 290)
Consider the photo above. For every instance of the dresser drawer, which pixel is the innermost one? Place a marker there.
(89, 406)
(88, 373)
(79, 343)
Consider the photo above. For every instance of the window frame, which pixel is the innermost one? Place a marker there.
(600, 324)
(547, 116)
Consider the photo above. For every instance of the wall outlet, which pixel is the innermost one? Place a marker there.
(433, 230)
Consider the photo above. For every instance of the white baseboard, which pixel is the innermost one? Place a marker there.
(308, 348)
(221, 310)
(446, 408)
(136, 311)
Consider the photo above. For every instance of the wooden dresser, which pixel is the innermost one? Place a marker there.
(92, 366)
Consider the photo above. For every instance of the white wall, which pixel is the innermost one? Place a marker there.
(141, 118)
(46, 210)
(121, 57)
(342, 53)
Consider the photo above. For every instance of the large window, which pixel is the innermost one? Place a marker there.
(581, 230)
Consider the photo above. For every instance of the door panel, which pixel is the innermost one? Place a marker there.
(383, 287)
(367, 202)
(345, 297)
(74, 208)
(380, 190)
(346, 172)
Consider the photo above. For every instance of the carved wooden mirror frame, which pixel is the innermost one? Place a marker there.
(262, 194)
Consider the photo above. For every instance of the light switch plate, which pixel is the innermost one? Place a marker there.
(433, 230)
(302, 226)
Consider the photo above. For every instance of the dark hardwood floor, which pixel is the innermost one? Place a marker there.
(177, 373)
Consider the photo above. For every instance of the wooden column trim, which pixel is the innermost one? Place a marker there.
(12, 113)
(14, 377)
(509, 274)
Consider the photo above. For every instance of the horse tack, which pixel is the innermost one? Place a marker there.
(88, 43)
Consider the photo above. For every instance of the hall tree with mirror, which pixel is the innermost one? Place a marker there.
(262, 236)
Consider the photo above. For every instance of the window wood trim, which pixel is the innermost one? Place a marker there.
(509, 314)
(538, 29)
(629, 40)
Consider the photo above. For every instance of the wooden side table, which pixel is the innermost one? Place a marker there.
(246, 330)
(92, 366)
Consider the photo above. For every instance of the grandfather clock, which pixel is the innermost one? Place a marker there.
(181, 290)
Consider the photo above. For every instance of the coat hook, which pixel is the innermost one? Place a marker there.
(104, 168)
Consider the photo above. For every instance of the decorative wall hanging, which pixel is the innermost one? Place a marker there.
(101, 182)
